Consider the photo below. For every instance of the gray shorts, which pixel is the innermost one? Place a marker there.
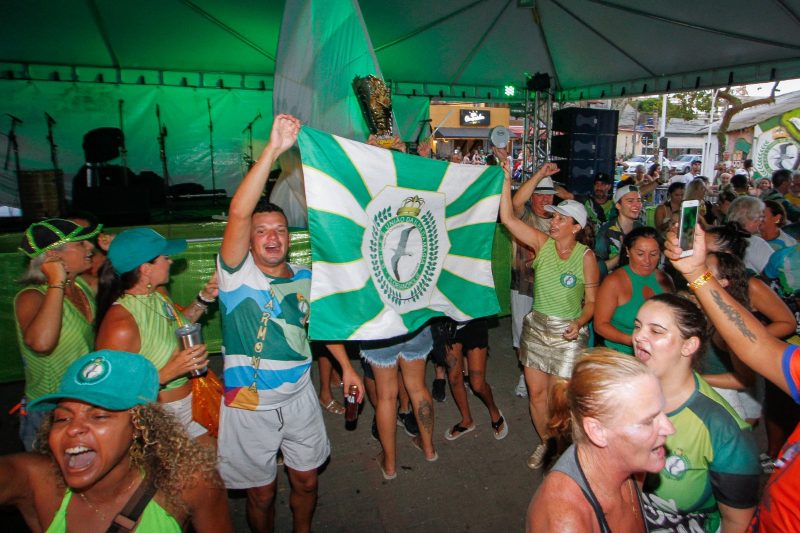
(249, 441)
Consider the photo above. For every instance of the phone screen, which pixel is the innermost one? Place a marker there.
(687, 224)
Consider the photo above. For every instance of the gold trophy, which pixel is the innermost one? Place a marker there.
(376, 105)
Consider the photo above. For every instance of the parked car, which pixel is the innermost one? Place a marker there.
(682, 164)
(645, 160)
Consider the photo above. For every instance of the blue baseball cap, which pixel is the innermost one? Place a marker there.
(106, 378)
(134, 247)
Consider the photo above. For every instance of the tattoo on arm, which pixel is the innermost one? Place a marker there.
(733, 315)
(425, 415)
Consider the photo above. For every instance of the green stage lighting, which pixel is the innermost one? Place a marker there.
(509, 90)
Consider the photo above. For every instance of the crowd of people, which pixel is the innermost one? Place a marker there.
(645, 369)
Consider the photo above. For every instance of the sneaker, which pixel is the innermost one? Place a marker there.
(536, 460)
(408, 422)
(767, 463)
(438, 391)
(522, 389)
(375, 429)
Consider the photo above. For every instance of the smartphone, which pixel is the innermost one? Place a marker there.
(688, 221)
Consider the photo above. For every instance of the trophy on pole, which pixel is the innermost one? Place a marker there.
(376, 105)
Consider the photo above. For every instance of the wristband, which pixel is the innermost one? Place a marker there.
(203, 301)
(701, 280)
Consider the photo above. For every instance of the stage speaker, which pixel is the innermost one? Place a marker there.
(586, 120)
(583, 146)
(102, 144)
(41, 194)
(577, 175)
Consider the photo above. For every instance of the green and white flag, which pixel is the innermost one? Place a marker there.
(396, 239)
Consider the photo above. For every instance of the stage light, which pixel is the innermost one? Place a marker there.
(509, 90)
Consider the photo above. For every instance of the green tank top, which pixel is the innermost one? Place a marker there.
(43, 373)
(154, 518)
(154, 317)
(625, 314)
(559, 283)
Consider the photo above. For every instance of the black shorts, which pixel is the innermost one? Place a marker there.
(475, 334)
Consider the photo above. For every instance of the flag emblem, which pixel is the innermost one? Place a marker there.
(406, 245)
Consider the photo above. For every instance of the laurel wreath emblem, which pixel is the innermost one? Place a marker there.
(430, 255)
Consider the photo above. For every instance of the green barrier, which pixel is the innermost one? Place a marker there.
(190, 271)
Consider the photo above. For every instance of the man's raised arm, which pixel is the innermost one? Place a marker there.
(236, 239)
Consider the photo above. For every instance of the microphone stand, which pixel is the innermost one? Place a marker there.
(13, 144)
(162, 147)
(211, 153)
(123, 151)
(51, 140)
(249, 129)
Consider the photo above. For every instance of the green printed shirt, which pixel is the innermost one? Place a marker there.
(711, 458)
(267, 314)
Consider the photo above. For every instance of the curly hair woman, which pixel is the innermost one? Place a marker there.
(108, 446)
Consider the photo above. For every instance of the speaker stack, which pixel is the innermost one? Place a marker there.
(584, 143)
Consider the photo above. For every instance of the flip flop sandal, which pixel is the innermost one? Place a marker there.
(458, 431)
(387, 477)
(333, 407)
(500, 434)
(417, 445)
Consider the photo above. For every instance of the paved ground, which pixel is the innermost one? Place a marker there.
(478, 483)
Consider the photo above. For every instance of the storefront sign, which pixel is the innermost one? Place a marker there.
(475, 117)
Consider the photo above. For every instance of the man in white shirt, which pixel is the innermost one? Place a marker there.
(687, 178)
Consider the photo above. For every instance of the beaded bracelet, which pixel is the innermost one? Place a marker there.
(701, 280)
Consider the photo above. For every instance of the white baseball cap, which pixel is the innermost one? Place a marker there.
(570, 208)
(622, 191)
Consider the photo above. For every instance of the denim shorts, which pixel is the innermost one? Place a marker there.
(411, 347)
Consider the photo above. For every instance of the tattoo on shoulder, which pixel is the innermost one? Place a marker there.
(734, 316)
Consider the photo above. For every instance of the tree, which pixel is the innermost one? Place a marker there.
(679, 105)
(735, 106)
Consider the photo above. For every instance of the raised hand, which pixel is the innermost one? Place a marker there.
(53, 269)
(693, 265)
(284, 133)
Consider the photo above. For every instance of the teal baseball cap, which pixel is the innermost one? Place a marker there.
(134, 247)
(106, 378)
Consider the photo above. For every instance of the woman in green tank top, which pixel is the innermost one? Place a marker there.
(135, 314)
(555, 332)
(624, 291)
(54, 311)
(105, 442)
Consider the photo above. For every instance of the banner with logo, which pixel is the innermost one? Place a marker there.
(396, 239)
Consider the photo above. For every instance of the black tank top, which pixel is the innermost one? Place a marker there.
(569, 465)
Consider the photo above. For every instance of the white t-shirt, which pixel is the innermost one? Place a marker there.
(682, 178)
(757, 254)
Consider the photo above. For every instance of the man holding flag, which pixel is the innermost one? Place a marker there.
(270, 403)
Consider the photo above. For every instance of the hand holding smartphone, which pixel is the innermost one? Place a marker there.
(686, 225)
